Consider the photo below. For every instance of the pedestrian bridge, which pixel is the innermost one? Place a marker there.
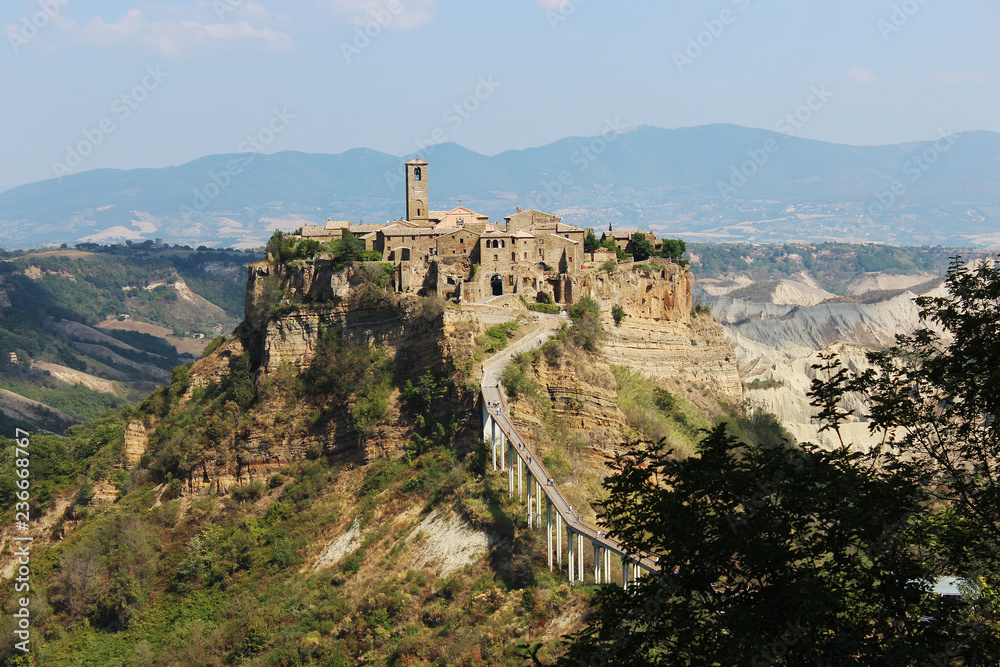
(545, 504)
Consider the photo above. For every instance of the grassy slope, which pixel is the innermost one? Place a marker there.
(225, 579)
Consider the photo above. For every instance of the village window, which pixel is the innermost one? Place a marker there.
(495, 258)
(526, 255)
(513, 257)
(461, 240)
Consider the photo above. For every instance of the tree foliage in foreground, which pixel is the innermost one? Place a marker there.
(936, 396)
(797, 556)
(771, 555)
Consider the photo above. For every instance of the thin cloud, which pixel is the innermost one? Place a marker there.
(965, 76)
(402, 14)
(554, 5)
(862, 76)
(171, 30)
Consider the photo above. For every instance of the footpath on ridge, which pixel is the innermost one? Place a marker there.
(495, 405)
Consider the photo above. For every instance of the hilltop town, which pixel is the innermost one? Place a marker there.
(462, 256)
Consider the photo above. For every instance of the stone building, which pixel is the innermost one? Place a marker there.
(463, 256)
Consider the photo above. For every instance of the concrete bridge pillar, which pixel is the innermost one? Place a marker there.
(520, 485)
(597, 563)
(625, 566)
(510, 469)
(530, 489)
(579, 555)
(548, 530)
(559, 540)
(487, 418)
(570, 555)
(539, 492)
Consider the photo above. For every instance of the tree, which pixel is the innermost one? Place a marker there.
(347, 250)
(618, 313)
(590, 242)
(780, 555)
(935, 397)
(279, 248)
(306, 248)
(613, 247)
(672, 248)
(642, 249)
(586, 331)
(609, 266)
(829, 554)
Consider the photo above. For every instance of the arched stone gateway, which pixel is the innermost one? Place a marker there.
(496, 282)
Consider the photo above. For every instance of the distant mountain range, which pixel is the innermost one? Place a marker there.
(708, 183)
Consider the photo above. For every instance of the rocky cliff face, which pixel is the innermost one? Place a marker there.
(287, 308)
(580, 394)
(659, 335)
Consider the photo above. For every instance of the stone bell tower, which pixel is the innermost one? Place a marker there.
(416, 190)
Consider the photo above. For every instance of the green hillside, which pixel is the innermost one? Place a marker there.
(100, 327)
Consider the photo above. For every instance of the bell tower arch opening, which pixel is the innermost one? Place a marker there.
(416, 190)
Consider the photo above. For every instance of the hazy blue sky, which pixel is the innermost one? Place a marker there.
(149, 84)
